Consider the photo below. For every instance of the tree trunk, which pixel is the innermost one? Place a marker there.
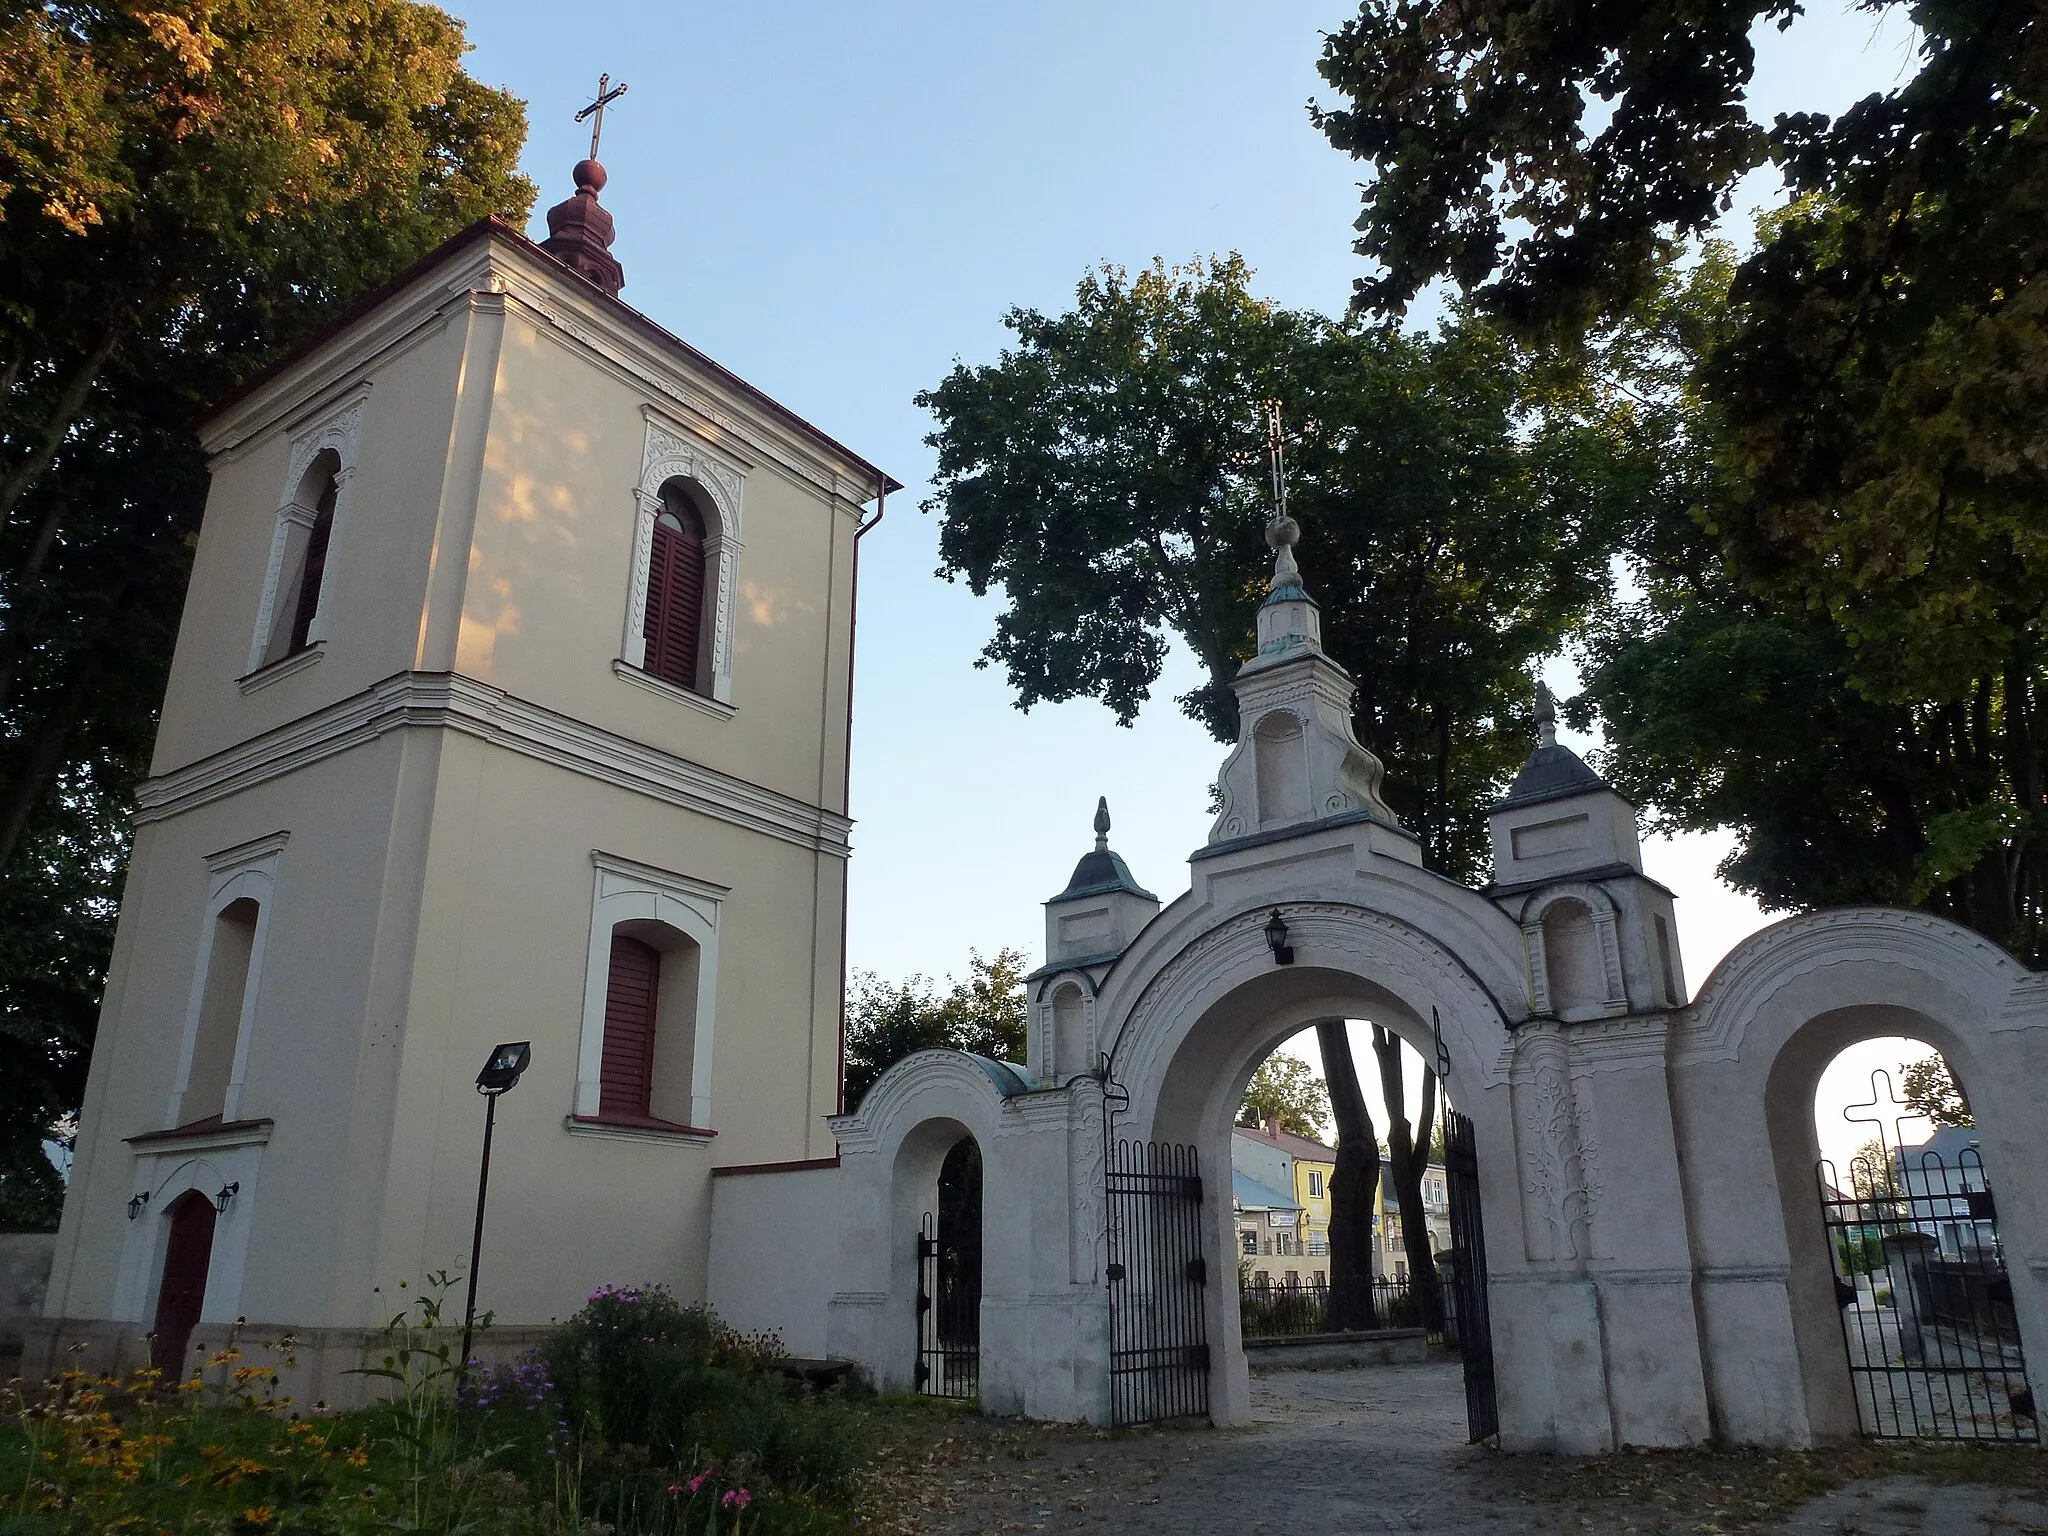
(70, 401)
(1408, 1158)
(1352, 1185)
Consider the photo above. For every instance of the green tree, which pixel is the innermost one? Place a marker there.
(186, 189)
(1285, 1092)
(1874, 390)
(887, 1021)
(1459, 496)
(1932, 1091)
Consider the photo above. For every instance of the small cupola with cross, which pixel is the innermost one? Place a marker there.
(580, 231)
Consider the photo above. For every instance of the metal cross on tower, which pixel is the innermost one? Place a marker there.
(1276, 451)
(607, 93)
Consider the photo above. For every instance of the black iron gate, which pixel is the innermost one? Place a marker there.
(1926, 1302)
(1468, 1324)
(1158, 1314)
(948, 1315)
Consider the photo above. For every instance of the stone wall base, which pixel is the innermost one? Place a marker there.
(1336, 1351)
(318, 1368)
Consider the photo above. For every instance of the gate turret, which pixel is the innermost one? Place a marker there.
(1087, 926)
(1600, 935)
(1297, 761)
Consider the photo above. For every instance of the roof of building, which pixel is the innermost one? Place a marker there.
(1948, 1144)
(1101, 870)
(1251, 1195)
(492, 227)
(1552, 771)
(1295, 1146)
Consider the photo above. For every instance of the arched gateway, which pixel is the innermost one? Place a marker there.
(1657, 1272)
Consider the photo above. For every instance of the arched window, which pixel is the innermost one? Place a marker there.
(308, 603)
(306, 528)
(650, 1026)
(222, 1002)
(675, 592)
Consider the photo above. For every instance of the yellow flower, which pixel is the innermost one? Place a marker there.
(262, 1514)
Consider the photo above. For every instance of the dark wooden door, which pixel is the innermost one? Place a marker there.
(183, 1291)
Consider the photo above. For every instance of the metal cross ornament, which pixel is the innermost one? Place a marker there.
(607, 93)
(1276, 455)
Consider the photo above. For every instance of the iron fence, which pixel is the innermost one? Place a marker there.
(1267, 1311)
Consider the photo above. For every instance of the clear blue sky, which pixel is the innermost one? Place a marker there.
(838, 201)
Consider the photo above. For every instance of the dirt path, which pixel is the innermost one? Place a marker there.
(1343, 1453)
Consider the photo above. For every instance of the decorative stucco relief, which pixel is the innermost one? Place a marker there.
(1561, 1163)
(1086, 1231)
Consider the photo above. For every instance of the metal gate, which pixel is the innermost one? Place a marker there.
(1469, 1323)
(1158, 1314)
(948, 1316)
(1926, 1302)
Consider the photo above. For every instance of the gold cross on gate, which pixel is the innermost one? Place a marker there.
(607, 93)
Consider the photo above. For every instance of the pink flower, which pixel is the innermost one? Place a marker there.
(738, 1498)
(698, 1481)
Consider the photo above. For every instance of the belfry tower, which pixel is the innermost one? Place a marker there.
(471, 737)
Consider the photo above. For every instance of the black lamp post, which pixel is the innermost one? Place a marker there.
(500, 1075)
(1276, 939)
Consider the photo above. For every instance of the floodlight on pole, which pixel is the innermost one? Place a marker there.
(500, 1075)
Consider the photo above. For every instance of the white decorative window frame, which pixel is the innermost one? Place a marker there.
(672, 452)
(246, 870)
(339, 429)
(624, 891)
(1605, 912)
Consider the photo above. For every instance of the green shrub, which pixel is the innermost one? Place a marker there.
(636, 1368)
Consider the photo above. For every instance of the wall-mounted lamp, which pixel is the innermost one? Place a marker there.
(136, 1203)
(227, 1193)
(1276, 939)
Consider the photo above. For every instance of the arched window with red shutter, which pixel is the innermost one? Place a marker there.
(675, 592)
(632, 1007)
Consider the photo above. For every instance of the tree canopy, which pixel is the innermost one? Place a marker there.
(1459, 496)
(889, 1020)
(185, 190)
(1931, 1089)
(1285, 1092)
(1837, 645)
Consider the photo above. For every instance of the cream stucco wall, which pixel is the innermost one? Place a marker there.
(428, 791)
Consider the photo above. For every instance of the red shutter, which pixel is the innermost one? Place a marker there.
(316, 567)
(675, 600)
(631, 997)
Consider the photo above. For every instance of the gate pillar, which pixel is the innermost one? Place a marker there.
(1597, 1335)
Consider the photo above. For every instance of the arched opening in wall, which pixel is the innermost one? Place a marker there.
(1289, 1191)
(1070, 1053)
(181, 1294)
(1573, 963)
(949, 1279)
(1281, 759)
(1209, 1094)
(648, 1073)
(222, 1000)
(1919, 1275)
(307, 528)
